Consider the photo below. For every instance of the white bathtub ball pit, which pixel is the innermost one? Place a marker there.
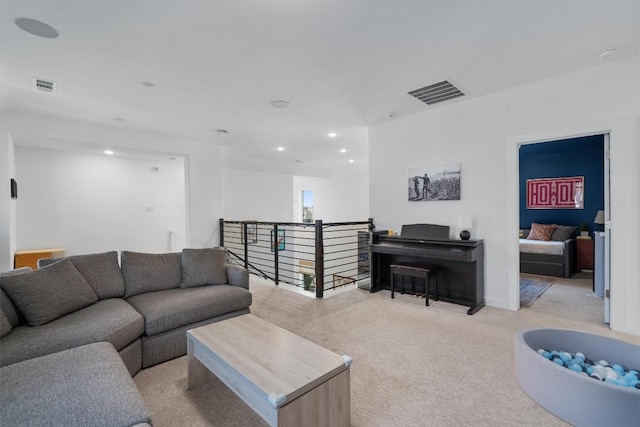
(572, 396)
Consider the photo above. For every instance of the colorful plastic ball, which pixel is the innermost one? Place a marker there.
(601, 370)
(630, 375)
(619, 369)
(580, 355)
(558, 361)
(575, 367)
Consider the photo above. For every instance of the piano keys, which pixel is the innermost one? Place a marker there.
(461, 262)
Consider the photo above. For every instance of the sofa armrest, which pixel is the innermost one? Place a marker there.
(237, 276)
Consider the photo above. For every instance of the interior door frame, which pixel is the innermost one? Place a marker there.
(513, 193)
(605, 179)
(607, 228)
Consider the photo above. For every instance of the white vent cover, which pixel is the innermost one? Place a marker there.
(438, 92)
(44, 85)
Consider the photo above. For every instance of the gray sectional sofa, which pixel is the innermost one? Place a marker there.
(142, 306)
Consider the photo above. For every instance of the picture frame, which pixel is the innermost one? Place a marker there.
(280, 244)
(438, 182)
(252, 233)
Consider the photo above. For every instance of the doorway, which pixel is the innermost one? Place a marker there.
(545, 167)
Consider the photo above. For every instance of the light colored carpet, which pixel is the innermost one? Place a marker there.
(413, 365)
(532, 286)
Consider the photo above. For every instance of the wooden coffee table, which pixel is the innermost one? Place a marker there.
(284, 378)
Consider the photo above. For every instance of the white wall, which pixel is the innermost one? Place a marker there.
(89, 203)
(343, 197)
(7, 204)
(260, 196)
(203, 166)
(477, 134)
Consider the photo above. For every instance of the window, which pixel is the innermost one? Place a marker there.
(307, 206)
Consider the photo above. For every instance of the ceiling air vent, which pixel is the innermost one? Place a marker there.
(439, 92)
(44, 85)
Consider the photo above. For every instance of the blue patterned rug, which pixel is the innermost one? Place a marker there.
(532, 286)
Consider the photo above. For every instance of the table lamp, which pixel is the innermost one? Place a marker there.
(599, 219)
(464, 222)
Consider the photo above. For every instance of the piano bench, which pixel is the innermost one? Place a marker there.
(414, 271)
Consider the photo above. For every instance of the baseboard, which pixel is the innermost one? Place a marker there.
(497, 303)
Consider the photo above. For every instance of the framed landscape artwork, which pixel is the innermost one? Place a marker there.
(434, 183)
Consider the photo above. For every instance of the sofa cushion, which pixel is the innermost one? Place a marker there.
(563, 232)
(5, 325)
(101, 271)
(83, 386)
(169, 309)
(237, 276)
(6, 306)
(111, 320)
(49, 293)
(203, 267)
(150, 272)
(541, 231)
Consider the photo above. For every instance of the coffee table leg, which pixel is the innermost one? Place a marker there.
(197, 373)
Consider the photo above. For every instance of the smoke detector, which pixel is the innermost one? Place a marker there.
(45, 86)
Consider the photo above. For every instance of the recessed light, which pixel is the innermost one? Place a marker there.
(300, 161)
(351, 160)
(280, 148)
(173, 158)
(343, 150)
(109, 152)
(332, 134)
(607, 52)
(119, 119)
(148, 85)
(278, 103)
(37, 28)
(222, 131)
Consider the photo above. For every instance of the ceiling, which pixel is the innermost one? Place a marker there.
(341, 64)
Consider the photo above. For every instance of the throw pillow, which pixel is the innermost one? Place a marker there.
(563, 232)
(541, 231)
(14, 316)
(49, 293)
(101, 271)
(203, 267)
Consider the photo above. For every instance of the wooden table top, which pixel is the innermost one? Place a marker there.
(277, 361)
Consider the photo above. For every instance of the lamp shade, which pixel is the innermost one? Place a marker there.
(599, 219)
(465, 221)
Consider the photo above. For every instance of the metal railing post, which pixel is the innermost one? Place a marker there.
(246, 246)
(319, 264)
(274, 242)
(221, 231)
